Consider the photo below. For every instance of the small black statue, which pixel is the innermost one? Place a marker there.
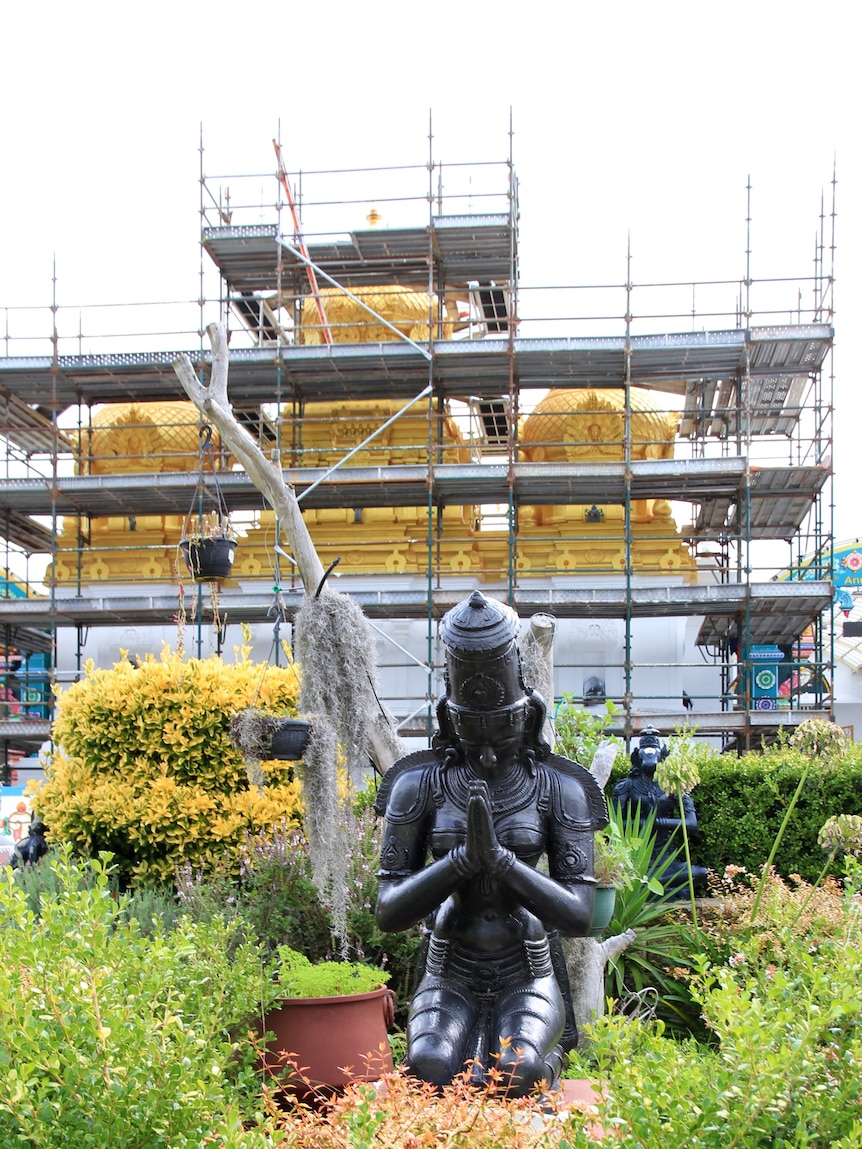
(640, 791)
(31, 849)
(486, 802)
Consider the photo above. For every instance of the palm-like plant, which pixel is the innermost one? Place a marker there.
(665, 943)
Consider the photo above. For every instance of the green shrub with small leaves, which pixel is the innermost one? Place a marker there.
(109, 1037)
(153, 907)
(741, 803)
(578, 732)
(275, 901)
(785, 1066)
(298, 977)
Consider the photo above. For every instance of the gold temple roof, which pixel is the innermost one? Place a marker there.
(142, 437)
(349, 322)
(590, 424)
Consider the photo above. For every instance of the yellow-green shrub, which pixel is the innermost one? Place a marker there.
(144, 766)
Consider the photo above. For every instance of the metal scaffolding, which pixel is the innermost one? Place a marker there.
(751, 398)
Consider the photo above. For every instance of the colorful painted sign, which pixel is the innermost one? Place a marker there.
(846, 569)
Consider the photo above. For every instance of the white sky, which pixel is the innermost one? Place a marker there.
(643, 117)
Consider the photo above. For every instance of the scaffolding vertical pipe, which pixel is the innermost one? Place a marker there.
(198, 587)
(429, 634)
(279, 367)
(744, 540)
(747, 280)
(627, 509)
(436, 417)
(743, 436)
(55, 470)
(514, 403)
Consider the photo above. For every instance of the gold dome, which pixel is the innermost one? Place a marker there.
(590, 424)
(349, 322)
(142, 437)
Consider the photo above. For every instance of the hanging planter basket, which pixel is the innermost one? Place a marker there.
(208, 543)
(267, 736)
(209, 558)
(287, 737)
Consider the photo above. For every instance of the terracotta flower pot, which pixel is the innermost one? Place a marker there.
(331, 1040)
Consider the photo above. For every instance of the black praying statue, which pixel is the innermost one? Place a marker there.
(466, 824)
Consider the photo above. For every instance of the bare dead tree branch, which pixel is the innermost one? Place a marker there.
(214, 405)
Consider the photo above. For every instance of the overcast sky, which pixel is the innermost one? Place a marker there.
(641, 119)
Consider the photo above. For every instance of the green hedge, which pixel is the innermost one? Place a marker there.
(741, 802)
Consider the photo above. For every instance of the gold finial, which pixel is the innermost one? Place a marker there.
(373, 218)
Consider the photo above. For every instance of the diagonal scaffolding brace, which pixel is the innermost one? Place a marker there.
(312, 276)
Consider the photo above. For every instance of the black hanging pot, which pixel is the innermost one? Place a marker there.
(208, 544)
(285, 738)
(266, 736)
(209, 558)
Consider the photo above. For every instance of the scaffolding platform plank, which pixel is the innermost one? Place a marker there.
(458, 369)
(777, 612)
(25, 731)
(32, 432)
(778, 502)
(18, 528)
(462, 247)
(779, 495)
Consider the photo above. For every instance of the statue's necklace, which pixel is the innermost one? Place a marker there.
(515, 790)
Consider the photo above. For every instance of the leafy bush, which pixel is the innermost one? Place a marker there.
(786, 1068)
(110, 1038)
(145, 768)
(741, 804)
(152, 907)
(298, 977)
(408, 1114)
(613, 863)
(579, 732)
(652, 973)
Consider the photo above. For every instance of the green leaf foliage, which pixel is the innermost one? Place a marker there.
(652, 971)
(741, 804)
(109, 1037)
(276, 902)
(579, 732)
(785, 1064)
(298, 977)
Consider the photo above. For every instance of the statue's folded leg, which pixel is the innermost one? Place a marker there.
(442, 1017)
(531, 1021)
(504, 1011)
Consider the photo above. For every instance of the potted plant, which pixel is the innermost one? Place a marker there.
(613, 867)
(208, 546)
(329, 1026)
